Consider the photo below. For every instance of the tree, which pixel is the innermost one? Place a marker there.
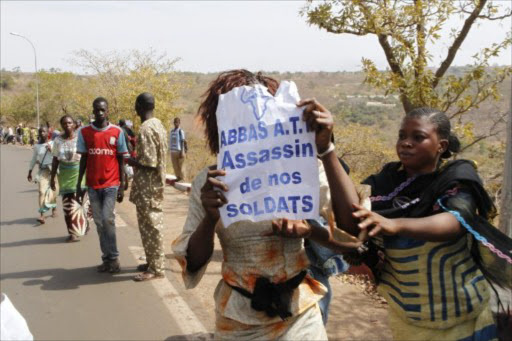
(64, 93)
(405, 29)
(362, 149)
(19, 108)
(6, 81)
(120, 77)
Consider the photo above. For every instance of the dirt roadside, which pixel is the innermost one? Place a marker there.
(353, 314)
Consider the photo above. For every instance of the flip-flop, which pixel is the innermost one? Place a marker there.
(147, 276)
(72, 239)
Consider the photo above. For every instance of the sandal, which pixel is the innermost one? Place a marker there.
(72, 239)
(143, 267)
(147, 276)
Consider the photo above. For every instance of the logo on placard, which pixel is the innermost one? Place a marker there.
(252, 97)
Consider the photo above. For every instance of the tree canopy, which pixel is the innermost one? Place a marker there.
(405, 29)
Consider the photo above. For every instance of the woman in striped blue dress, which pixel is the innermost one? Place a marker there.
(435, 255)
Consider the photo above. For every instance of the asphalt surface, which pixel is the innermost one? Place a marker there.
(54, 284)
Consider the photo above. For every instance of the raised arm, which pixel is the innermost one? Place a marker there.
(343, 191)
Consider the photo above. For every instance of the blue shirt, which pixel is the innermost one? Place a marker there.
(176, 138)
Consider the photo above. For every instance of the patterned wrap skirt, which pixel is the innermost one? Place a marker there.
(77, 216)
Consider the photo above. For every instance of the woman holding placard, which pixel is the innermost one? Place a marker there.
(265, 292)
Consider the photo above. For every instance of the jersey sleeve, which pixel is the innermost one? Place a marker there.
(122, 148)
(81, 148)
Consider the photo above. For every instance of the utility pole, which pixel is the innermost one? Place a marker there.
(37, 77)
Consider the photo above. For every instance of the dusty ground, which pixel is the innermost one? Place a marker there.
(353, 316)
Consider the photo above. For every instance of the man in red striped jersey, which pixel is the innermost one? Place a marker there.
(103, 148)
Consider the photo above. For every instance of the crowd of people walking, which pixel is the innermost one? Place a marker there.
(427, 237)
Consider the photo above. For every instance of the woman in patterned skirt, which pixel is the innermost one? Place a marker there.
(67, 161)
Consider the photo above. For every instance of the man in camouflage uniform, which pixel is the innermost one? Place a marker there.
(148, 186)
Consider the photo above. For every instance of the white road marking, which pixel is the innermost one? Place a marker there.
(188, 322)
(179, 309)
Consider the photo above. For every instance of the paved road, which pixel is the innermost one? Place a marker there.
(54, 284)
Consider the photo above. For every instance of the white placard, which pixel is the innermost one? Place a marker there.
(268, 154)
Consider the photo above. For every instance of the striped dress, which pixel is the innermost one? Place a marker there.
(435, 290)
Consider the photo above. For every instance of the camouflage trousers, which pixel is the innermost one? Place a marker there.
(151, 223)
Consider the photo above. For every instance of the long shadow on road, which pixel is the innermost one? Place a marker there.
(68, 279)
(21, 221)
(39, 241)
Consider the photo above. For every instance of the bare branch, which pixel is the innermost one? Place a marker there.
(339, 31)
(396, 69)
(489, 17)
(478, 139)
(452, 51)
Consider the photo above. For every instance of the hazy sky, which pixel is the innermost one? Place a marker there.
(208, 36)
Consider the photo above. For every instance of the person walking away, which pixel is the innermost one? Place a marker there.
(67, 161)
(103, 147)
(19, 134)
(43, 157)
(178, 146)
(148, 187)
(129, 136)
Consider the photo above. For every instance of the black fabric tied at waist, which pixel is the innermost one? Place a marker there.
(274, 299)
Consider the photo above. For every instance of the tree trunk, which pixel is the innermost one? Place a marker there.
(506, 192)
